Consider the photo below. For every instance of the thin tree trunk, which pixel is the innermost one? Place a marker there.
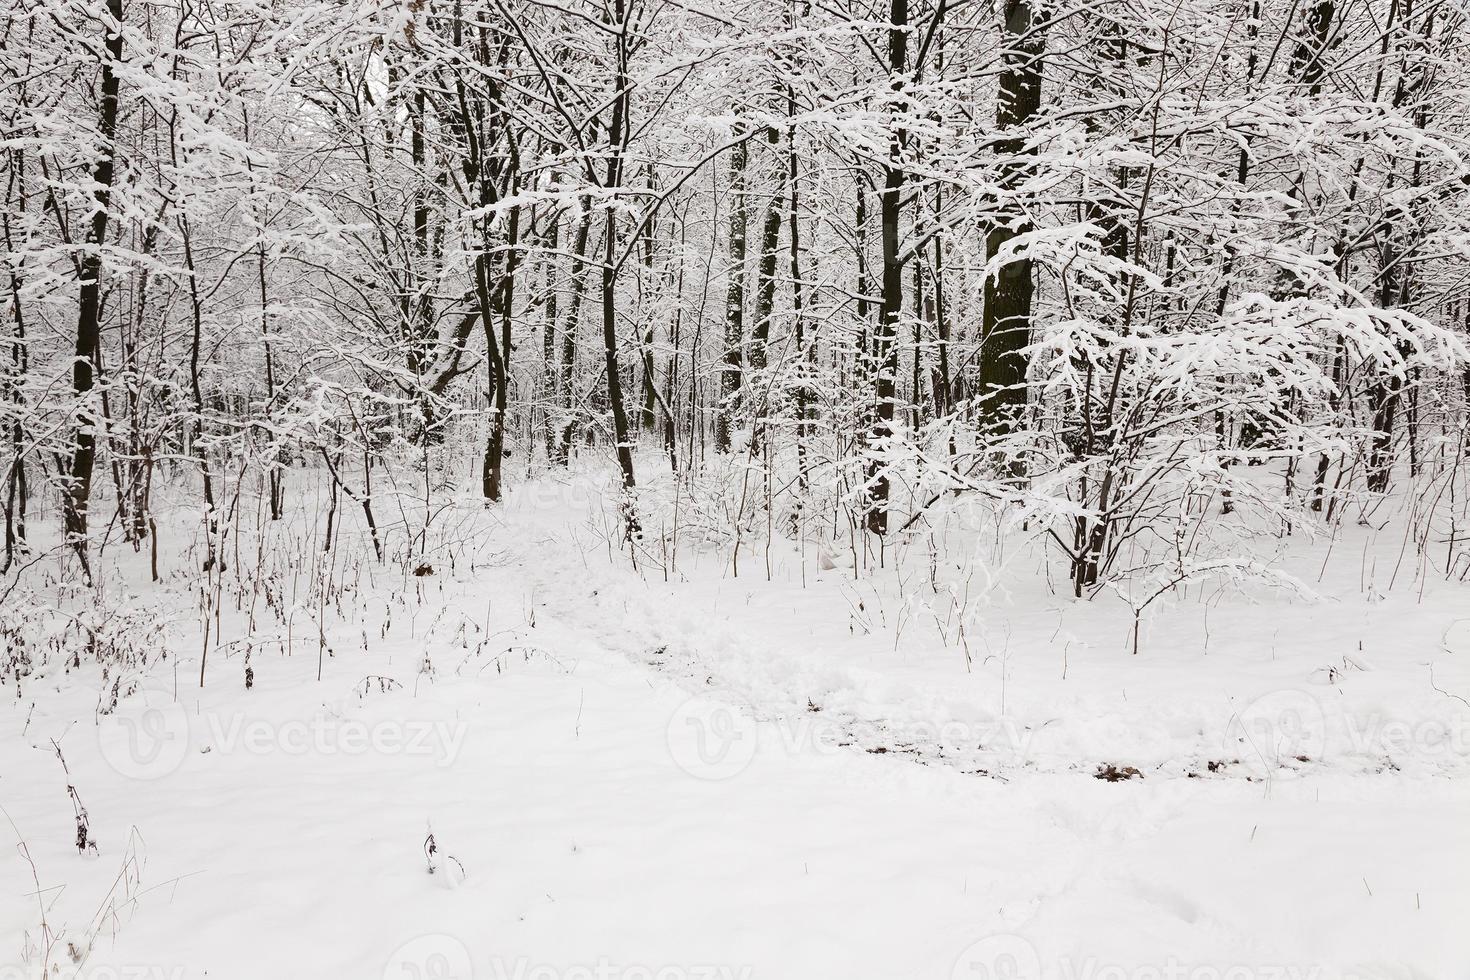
(860, 235)
(568, 357)
(16, 491)
(804, 350)
(196, 343)
(734, 297)
(618, 136)
(552, 241)
(491, 476)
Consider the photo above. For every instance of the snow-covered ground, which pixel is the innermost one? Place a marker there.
(796, 772)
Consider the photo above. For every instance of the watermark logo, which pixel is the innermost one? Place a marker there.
(1276, 730)
(431, 957)
(1000, 957)
(711, 739)
(149, 742)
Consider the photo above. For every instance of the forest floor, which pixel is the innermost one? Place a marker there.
(797, 772)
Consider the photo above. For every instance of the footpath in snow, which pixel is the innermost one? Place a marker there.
(546, 766)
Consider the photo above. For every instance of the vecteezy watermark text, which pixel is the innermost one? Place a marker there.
(152, 742)
(606, 969)
(92, 971)
(1012, 957)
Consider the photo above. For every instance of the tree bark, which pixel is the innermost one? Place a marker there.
(734, 296)
(1005, 326)
(890, 211)
(618, 136)
(89, 306)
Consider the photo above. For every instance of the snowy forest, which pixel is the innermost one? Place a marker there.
(662, 489)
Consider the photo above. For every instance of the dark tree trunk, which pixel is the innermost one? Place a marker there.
(890, 210)
(860, 236)
(568, 356)
(734, 298)
(16, 491)
(804, 352)
(1005, 326)
(1388, 388)
(500, 351)
(618, 136)
(942, 394)
(552, 241)
(275, 472)
(89, 305)
(610, 354)
(765, 274)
